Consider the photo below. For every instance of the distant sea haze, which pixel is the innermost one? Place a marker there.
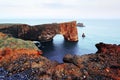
(34, 21)
(96, 30)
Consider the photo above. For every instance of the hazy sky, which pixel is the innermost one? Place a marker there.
(59, 9)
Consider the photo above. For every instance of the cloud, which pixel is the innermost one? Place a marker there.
(59, 8)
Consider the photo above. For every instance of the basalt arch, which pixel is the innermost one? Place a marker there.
(42, 33)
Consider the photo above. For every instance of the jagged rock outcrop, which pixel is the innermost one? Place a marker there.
(42, 33)
(107, 48)
(26, 64)
(104, 65)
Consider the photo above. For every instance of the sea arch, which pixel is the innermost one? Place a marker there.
(44, 32)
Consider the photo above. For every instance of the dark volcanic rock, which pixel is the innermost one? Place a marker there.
(107, 48)
(104, 65)
(80, 25)
(42, 33)
(46, 31)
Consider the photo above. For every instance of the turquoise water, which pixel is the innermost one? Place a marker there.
(107, 31)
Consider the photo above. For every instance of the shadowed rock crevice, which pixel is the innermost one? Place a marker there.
(44, 32)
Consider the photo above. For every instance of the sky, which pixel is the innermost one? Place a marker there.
(60, 9)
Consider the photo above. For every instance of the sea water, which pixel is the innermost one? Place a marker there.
(95, 30)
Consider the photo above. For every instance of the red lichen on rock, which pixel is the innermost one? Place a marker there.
(2, 35)
(8, 54)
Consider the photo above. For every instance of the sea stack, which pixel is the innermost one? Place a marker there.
(80, 25)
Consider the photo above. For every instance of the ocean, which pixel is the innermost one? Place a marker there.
(96, 30)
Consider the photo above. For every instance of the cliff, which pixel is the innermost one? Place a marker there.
(42, 33)
(27, 64)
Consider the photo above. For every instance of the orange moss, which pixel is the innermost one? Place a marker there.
(2, 34)
(9, 54)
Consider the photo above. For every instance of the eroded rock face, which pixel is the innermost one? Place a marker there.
(69, 31)
(46, 32)
(42, 33)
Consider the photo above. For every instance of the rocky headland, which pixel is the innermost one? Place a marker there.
(42, 33)
(20, 61)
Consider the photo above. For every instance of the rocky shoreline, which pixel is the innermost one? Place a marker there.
(24, 64)
(22, 60)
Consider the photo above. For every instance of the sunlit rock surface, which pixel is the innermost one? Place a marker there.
(69, 31)
(42, 33)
